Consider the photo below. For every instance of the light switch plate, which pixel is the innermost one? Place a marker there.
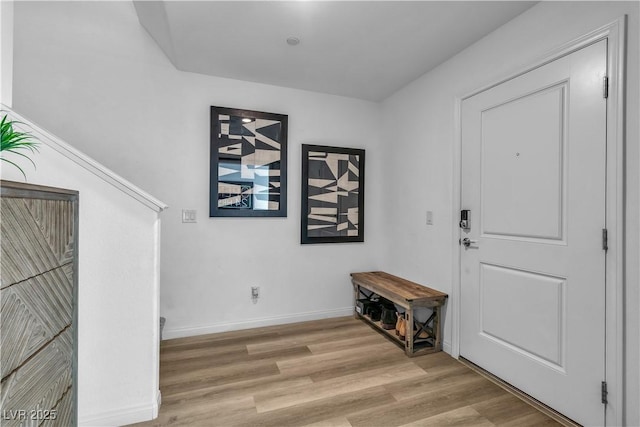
(189, 215)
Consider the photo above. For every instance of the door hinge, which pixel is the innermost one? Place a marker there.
(605, 239)
(605, 87)
(604, 391)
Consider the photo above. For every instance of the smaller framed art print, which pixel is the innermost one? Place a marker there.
(332, 195)
(248, 172)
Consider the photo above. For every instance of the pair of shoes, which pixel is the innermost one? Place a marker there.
(425, 333)
(388, 317)
(401, 326)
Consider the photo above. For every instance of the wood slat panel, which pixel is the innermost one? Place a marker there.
(55, 220)
(37, 352)
(25, 250)
(42, 381)
(33, 312)
(21, 334)
(63, 413)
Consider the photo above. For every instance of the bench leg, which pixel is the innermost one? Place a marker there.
(436, 328)
(356, 295)
(408, 340)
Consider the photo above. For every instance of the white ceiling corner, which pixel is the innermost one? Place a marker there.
(360, 49)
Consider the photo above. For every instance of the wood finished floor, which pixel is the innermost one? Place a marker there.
(334, 373)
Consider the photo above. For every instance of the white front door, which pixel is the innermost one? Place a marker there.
(533, 276)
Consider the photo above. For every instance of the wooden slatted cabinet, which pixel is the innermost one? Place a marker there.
(38, 312)
(408, 295)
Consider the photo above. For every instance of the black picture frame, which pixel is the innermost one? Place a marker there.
(248, 164)
(332, 203)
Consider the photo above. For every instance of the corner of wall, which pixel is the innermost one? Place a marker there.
(446, 347)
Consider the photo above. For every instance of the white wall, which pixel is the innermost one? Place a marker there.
(424, 253)
(6, 52)
(90, 73)
(116, 271)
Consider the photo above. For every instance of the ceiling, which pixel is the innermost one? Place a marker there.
(359, 49)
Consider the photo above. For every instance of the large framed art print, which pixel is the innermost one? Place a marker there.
(248, 173)
(332, 195)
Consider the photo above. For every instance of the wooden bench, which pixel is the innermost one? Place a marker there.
(408, 295)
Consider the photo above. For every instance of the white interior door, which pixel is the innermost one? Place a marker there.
(533, 277)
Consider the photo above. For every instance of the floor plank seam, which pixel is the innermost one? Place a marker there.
(330, 373)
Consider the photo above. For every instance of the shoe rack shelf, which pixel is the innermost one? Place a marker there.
(426, 336)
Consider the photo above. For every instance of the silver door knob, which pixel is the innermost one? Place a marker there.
(467, 242)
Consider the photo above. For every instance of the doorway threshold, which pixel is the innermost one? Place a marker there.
(551, 413)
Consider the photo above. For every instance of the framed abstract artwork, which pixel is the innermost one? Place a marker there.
(248, 172)
(332, 195)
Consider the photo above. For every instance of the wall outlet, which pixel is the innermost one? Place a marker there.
(189, 215)
(429, 217)
(255, 293)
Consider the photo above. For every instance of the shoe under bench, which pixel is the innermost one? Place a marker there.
(426, 336)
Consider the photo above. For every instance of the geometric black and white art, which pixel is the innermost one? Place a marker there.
(332, 194)
(248, 163)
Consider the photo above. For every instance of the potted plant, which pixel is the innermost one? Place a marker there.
(14, 141)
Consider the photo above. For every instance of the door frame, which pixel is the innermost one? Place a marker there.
(614, 33)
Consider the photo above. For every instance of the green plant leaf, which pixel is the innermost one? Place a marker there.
(12, 140)
(22, 155)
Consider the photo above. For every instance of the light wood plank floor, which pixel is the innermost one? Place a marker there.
(334, 372)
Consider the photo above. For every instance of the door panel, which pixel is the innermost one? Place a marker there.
(533, 283)
(513, 301)
(518, 138)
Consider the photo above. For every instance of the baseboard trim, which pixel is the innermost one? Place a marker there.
(122, 416)
(446, 347)
(255, 323)
(156, 407)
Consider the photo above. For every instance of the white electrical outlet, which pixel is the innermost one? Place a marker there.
(255, 293)
(189, 215)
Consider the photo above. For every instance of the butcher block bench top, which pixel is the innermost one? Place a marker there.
(389, 286)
